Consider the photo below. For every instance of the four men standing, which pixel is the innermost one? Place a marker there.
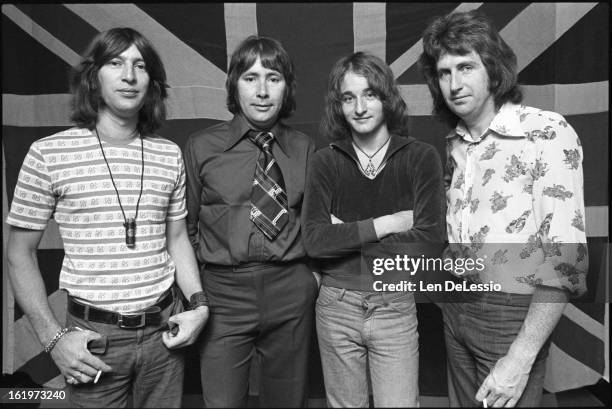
(513, 180)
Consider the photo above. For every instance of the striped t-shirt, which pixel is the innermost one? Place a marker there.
(64, 176)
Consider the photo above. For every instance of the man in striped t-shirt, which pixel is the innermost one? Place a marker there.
(117, 192)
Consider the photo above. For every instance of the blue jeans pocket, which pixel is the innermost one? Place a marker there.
(327, 295)
(402, 302)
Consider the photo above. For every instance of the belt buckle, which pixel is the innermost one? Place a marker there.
(141, 324)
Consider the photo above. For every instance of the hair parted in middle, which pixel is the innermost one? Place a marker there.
(274, 57)
(459, 34)
(85, 87)
(380, 80)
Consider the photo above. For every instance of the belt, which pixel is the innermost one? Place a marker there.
(150, 316)
(250, 266)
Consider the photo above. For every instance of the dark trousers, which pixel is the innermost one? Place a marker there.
(480, 331)
(265, 310)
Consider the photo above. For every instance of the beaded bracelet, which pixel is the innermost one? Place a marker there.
(57, 337)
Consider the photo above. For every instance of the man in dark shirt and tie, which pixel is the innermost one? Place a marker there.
(245, 183)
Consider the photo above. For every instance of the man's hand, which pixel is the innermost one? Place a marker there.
(74, 361)
(404, 220)
(393, 223)
(505, 383)
(190, 324)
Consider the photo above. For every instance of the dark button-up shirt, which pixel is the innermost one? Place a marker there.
(220, 164)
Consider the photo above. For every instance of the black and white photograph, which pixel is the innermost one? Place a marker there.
(300, 204)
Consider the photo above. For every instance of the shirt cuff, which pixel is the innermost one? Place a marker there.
(25, 224)
(564, 276)
(367, 233)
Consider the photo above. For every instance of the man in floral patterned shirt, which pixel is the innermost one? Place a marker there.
(515, 200)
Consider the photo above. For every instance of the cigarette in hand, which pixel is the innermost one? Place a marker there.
(98, 375)
(484, 403)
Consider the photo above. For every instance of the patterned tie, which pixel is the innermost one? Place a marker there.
(268, 198)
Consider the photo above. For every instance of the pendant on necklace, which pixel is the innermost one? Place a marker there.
(130, 232)
(370, 170)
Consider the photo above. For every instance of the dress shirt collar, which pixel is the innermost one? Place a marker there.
(239, 127)
(507, 122)
(395, 144)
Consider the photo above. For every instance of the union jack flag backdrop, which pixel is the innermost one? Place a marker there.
(562, 54)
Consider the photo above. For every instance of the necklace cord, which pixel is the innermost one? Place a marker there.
(113, 180)
(374, 154)
(371, 171)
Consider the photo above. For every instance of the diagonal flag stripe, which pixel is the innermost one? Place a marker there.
(527, 25)
(565, 372)
(67, 27)
(410, 57)
(567, 333)
(41, 35)
(527, 33)
(184, 65)
(585, 321)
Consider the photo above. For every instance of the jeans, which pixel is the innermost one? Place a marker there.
(478, 332)
(142, 366)
(357, 328)
(266, 310)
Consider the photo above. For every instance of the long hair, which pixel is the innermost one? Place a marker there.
(459, 34)
(380, 80)
(85, 87)
(274, 57)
